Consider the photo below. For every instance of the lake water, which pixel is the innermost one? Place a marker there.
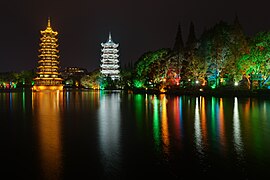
(113, 135)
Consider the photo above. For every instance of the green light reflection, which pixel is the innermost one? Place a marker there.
(139, 109)
(156, 125)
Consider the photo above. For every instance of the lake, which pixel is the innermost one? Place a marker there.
(115, 135)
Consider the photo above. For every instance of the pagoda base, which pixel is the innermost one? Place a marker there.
(47, 88)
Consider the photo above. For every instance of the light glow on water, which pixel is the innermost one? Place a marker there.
(121, 136)
(197, 128)
(203, 121)
(222, 135)
(238, 144)
(156, 126)
(47, 111)
(109, 133)
(164, 125)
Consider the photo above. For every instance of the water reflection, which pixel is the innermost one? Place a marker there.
(221, 125)
(159, 133)
(164, 124)
(139, 110)
(213, 119)
(238, 145)
(46, 109)
(156, 130)
(197, 128)
(109, 120)
(203, 121)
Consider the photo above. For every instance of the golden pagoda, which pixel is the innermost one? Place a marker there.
(48, 75)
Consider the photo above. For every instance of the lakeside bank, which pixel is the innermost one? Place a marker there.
(259, 93)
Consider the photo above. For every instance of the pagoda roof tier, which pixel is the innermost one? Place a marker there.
(110, 68)
(115, 66)
(49, 30)
(49, 49)
(48, 54)
(109, 45)
(109, 60)
(109, 56)
(49, 38)
(110, 71)
(109, 50)
(46, 67)
(48, 61)
(44, 45)
(48, 72)
(48, 78)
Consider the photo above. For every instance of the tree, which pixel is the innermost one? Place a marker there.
(92, 80)
(150, 68)
(256, 61)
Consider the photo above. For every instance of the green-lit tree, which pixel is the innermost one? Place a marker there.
(255, 62)
(91, 81)
(238, 47)
(149, 70)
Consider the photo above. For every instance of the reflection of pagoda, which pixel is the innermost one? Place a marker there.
(48, 64)
(109, 66)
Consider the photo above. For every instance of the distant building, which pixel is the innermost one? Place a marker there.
(72, 76)
(48, 75)
(109, 59)
(73, 71)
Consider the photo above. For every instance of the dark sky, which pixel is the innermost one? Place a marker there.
(137, 25)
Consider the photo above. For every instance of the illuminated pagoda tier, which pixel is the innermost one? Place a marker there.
(109, 61)
(48, 75)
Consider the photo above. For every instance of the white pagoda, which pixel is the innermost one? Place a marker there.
(109, 59)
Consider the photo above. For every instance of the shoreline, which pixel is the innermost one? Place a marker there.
(259, 93)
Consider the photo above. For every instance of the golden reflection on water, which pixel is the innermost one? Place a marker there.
(164, 124)
(46, 106)
(222, 125)
(203, 121)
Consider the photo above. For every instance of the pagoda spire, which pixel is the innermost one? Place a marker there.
(110, 36)
(49, 22)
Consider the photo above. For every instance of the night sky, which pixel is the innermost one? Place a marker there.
(137, 25)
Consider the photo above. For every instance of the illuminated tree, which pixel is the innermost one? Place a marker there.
(238, 47)
(194, 66)
(150, 68)
(173, 62)
(126, 80)
(196, 70)
(256, 61)
(91, 81)
(215, 48)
